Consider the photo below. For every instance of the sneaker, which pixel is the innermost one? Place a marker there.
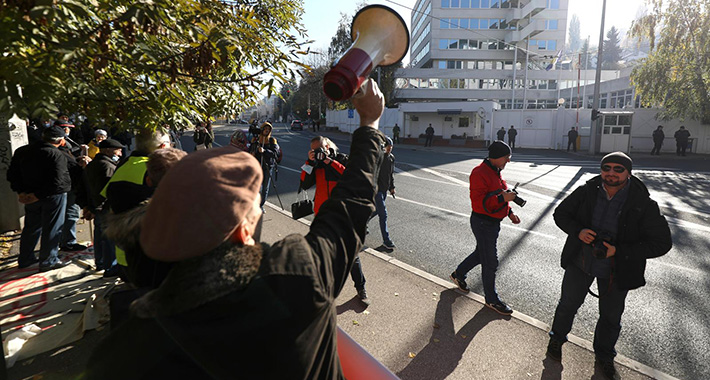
(57, 265)
(73, 247)
(461, 284)
(554, 349)
(608, 369)
(388, 245)
(111, 272)
(500, 308)
(362, 295)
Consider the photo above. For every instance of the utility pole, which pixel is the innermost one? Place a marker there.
(595, 105)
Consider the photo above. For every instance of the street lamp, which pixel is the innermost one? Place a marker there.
(595, 103)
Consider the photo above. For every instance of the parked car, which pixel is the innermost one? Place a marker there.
(296, 125)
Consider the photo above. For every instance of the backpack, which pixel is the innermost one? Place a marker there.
(279, 152)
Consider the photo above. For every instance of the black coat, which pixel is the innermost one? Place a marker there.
(252, 312)
(658, 136)
(98, 173)
(643, 232)
(385, 180)
(39, 168)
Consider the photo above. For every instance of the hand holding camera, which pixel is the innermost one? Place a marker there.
(601, 243)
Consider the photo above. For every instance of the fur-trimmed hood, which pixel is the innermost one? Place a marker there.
(195, 282)
(124, 229)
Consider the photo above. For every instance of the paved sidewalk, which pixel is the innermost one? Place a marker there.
(420, 327)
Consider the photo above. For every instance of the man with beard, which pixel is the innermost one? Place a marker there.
(613, 227)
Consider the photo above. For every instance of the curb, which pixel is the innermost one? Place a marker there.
(583, 343)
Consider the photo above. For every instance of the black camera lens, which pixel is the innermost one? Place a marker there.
(319, 154)
(519, 201)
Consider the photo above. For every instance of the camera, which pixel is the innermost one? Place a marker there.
(518, 201)
(598, 247)
(320, 154)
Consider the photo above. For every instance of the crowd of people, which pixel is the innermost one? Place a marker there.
(207, 299)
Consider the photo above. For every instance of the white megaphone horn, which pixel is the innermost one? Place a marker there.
(380, 38)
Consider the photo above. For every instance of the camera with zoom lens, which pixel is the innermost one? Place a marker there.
(320, 154)
(518, 201)
(599, 250)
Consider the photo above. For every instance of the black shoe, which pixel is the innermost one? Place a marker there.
(388, 245)
(500, 308)
(461, 284)
(111, 272)
(362, 295)
(73, 247)
(608, 369)
(554, 349)
(57, 265)
(29, 264)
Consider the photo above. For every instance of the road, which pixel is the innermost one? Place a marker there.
(665, 325)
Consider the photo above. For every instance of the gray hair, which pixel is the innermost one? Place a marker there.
(147, 141)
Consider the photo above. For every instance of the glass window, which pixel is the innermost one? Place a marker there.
(444, 23)
(463, 122)
(552, 85)
(624, 119)
(434, 83)
(483, 23)
(453, 44)
(493, 24)
(607, 130)
(450, 64)
(602, 103)
(542, 45)
(471, 65)
(463, 23)
(485, 3)
(552, 24)
(445, 3)
(463, 44)
(495, 4)
(488, 65)
(459, 64)
(454, 3)
(465, 3)
(473, 23)
(505, 4)
(627, 130)
(553, 4)
(454, 23)
(442, 64)
(492, 45)
(533, 42)
(503, 23)
(473, 44)
(443, 44)
(475, 3)
(610, 120)
(616, 130)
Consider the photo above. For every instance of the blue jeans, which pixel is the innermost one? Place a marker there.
(104, 249)
(357, 275)
(266, 183)
(71, 217)
(381, 208)
(43, 218)
(575, 285)
(486, 254)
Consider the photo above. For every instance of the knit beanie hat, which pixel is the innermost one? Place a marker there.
(498, 149)
(618, 158)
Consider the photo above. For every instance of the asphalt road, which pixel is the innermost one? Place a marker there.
(665, 325)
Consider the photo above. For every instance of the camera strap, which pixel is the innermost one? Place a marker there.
(608, 287)
(490, 195)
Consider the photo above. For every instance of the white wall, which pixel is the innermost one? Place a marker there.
(340, 120)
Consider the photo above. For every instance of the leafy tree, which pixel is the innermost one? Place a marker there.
(141, 62)
(587, 56)
(675, 75)
(612, 50)
(575, 38)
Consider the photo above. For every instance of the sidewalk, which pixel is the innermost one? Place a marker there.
(418, 326)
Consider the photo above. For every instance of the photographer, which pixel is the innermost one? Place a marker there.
(489, 202)
(613, 226)
(266, 150)
(324, 168)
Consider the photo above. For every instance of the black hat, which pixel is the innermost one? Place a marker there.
(618, 158)
(110, 143)
(498, 149)
(388, 141)
(63, 124)
(54, 132)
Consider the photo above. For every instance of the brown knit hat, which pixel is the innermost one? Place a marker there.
(199, 203)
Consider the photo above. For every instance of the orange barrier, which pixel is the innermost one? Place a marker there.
(357, 363)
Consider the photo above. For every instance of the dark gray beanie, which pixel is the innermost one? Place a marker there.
(618, 158)
(498, 149)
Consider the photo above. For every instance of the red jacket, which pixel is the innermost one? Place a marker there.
(325, 180)
(486, 190)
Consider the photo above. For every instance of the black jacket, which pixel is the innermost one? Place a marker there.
(385, 180)
(682, 135)
(643, 232)
(658, 136)
(97, 174)
(271, 151)
(252, 312)
(39, 168)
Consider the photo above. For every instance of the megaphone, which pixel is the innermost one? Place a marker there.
(380, 38)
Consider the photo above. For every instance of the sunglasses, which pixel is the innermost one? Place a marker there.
(618, 169)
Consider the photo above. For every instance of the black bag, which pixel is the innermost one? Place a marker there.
(301, 208)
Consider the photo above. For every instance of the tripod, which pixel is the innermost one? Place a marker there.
(271, 177)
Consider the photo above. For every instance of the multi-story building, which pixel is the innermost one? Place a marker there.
(469, 57)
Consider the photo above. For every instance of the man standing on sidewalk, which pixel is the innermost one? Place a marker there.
(512, 133)
(231, 307)
(39, 174)
(613, 227)
(429, 132)
(681, 140)
(572, 139)
(489, 201)
(658, 137)
(395, 133)
(385, 183)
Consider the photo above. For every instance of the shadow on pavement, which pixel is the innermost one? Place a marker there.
(353, 304)
(440, 357)
(552, 369)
